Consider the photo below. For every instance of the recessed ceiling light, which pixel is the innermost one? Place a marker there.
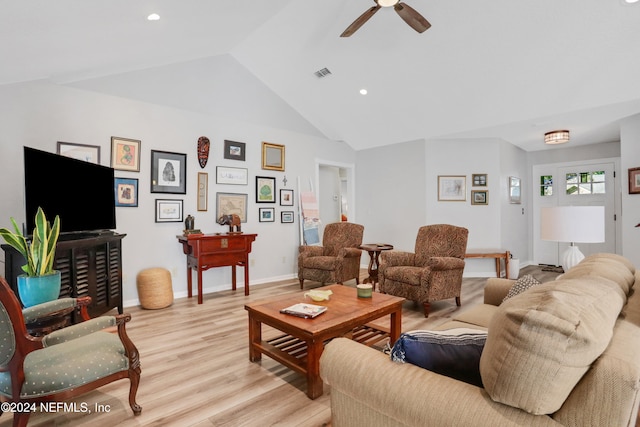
(629, 1)
(363, 92)
(153, 17)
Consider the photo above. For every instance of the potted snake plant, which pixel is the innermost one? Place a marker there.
(40, 282)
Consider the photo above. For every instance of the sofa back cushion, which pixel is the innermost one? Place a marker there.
(625, 261)
(541, 342)
(608, 393)
(611, 267)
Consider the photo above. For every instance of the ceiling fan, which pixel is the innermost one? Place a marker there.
(406, 12)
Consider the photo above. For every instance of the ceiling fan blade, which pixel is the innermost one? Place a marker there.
(412, 17)
(360, 21)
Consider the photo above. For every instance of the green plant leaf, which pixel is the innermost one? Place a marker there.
(40, 253)
(18, 242)
(52, 240)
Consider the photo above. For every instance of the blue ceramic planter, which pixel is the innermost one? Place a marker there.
(38, 289)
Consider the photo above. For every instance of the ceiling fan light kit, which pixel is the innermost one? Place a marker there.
(556, 137)
(406, 12)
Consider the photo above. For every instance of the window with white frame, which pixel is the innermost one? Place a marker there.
(579, 183)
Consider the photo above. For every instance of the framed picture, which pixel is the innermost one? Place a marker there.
(286, 197)
(265, 189)
(479, 197)
(234, 150)
(125, 154)
(272, 156)
(479, 179)
(203, 191)
(233, 176)
(634, 181)
(452, 188)
(88, 153)
(168, 172)
(266, 214)
(126, 192)
(168, 210)
(286, 217)
(514, 190)
(231, 203)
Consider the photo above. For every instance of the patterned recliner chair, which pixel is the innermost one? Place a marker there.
(433, 272)
(337, 260)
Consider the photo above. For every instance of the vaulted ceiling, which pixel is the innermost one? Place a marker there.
(485, 69)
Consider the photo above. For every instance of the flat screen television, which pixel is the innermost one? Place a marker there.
(81, 193)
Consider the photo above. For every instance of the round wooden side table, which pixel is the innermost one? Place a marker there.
(374, 250)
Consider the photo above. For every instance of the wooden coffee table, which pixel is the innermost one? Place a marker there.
(303, 341)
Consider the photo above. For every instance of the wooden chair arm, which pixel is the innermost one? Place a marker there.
(82, 303)
(130, 349)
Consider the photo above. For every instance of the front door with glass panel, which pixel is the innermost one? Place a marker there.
(588, 184)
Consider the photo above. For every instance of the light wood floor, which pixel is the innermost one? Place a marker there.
(196, 369)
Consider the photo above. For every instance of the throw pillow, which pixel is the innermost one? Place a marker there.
(521, 285)
(454, 353)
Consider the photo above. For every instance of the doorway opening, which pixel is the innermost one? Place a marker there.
(335, 184)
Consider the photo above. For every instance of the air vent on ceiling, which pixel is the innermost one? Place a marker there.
(322, 73)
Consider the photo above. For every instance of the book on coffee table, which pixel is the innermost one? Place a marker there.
(307, 311)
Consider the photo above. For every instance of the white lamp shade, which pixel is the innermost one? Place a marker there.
(577, 224)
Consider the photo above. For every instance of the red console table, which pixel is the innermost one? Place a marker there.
(205, 251)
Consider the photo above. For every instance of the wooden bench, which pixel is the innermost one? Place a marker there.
(497, 255)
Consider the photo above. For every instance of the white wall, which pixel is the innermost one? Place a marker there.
(391, 194)
(630, 158)
(397, 193)
(39, 114)
(485, 223)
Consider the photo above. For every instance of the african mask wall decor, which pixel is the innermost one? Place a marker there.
(203, 150)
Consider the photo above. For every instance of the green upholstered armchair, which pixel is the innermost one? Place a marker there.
(67, 362)
(337, 260)
(433, 272)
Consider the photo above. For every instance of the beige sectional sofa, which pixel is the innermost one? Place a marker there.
(564, 353)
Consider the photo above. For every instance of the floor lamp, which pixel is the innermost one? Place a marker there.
(572, 224)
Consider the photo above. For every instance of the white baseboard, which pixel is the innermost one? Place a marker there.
(217, 288)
